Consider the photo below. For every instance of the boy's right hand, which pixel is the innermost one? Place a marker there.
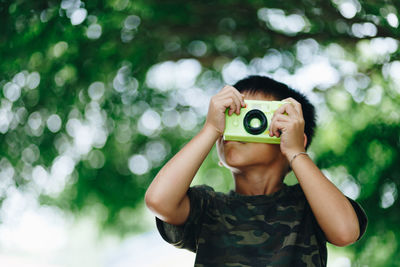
(228, 97)
(167, 195)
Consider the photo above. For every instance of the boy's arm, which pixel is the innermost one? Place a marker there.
(167, 194)
(332, 210)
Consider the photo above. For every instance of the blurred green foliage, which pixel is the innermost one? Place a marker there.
(86, 125)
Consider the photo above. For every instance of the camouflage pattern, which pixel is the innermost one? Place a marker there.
(236, 230)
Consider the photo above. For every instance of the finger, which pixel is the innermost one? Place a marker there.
(277, 128)
(287, 108)
(281, 118)
(234, 92)
(228, 102)
(238, 104)
(296, 105)
(226, 88)
(273, 131)
(227, 91)
(237, 97)
(240, 96)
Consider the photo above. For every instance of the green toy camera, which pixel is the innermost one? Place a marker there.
(252, 124)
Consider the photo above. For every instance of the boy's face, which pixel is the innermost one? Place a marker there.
(239, 155)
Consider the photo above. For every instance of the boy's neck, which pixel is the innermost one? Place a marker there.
(258, 180)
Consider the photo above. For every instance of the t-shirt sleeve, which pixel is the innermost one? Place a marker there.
(361, 215)
(186, 235)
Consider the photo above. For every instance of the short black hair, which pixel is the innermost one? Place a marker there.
(256, 84)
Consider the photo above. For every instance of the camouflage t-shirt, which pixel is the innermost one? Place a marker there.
(238, 230)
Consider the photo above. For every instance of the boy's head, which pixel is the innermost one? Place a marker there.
(279, 91)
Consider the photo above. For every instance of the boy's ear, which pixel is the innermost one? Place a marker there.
(305, 140)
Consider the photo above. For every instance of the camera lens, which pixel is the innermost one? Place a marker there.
(255, 122)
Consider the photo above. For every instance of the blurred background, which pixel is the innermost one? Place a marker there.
(95, 96)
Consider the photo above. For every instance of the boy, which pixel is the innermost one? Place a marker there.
(263, 222)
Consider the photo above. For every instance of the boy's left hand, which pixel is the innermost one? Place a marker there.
(288, 124)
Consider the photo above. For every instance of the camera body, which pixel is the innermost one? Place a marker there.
(252, 124)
